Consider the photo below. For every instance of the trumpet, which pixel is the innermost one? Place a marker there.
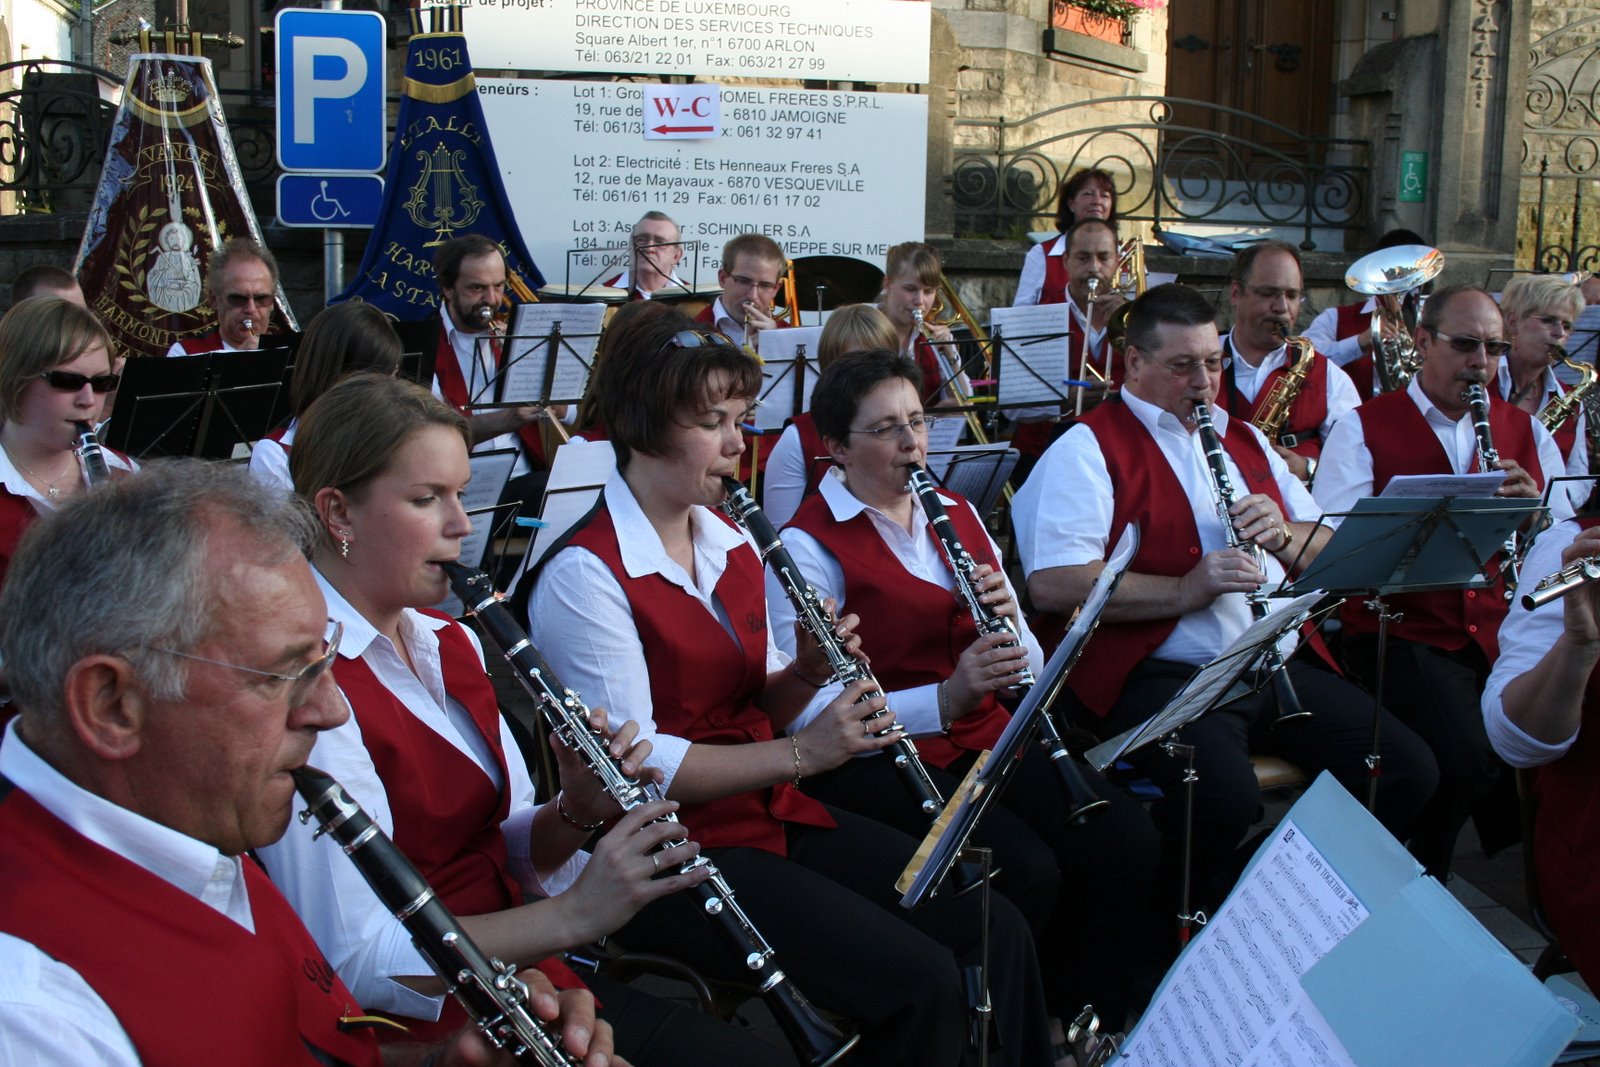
(1575, 575)
(1092, 283)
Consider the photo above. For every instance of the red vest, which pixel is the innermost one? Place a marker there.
(927, 360)
(811, 446)
(1054, 290)
(199, 346)
(704, 690)
(183, 980)
(888, 598)
(1401, 442)
(1350, 320)
(1306, 413)
(1146, 491)
(453, 387)
(17, 513)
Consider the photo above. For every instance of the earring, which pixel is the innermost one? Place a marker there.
(344, 548)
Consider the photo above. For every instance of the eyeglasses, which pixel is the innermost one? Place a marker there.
(1185, 368)
(751, 283)
(1552, 322)
(918, 426)
(1267, 292)
(696, 339)
(300, 682)
(1468, 345)
(244, 300)
(71, 381)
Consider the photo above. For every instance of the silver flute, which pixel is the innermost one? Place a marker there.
(815, 1040)
(1569, 579)
(495, 998)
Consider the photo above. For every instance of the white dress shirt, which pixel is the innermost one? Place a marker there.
(917, 709)
(1345, 473)
(674, 284)
(1030, 286)
(1341, 391)
(269, 459)
(479, 369)
(1324, 334)
(355, 931)
(1525, 637)
(14, 483)
(49, 1015)
(579, 617)
(730, 327)
(177, 349)
(1062, 516)
(1576, 460)
(783, 483)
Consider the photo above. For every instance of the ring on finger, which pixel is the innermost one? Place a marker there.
(655, 864)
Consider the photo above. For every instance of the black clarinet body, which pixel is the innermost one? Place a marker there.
(1289, 706)
(1477, 398)
(490, 991)
(815, 1040)
(808, 610)
(91, 457)
(1082, 801)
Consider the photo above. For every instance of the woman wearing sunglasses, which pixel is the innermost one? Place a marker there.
(656, 605)
(427, 754)
(1540, 310)
(55, 372)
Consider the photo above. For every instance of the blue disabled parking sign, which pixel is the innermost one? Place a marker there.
(329, 201)
(331, 91)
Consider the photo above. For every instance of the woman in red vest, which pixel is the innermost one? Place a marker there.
(864, 541)
(655, 604)
(427, 753)
(1088, 194)
(1540, 310)
(55, 371)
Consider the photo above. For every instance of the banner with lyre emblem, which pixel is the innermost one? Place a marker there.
(442, 181)
(170, 194)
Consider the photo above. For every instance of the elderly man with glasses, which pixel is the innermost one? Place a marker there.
(1442, 645)
(1139, 460)
(242, 284)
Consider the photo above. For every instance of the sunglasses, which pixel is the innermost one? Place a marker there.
(696, 339)
(71, 381)
(1468, 345)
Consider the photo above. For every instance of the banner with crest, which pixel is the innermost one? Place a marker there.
(442, 182)
(170, 194)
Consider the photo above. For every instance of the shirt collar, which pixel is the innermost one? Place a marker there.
(640, 546)
(1269, 362)
(1426, 406)
(1547, 381)
(359, 634)
(1156, 418)
(176, 858)
(15, 483)
(845, 505)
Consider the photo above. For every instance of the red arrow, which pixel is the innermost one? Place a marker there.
(683, 129)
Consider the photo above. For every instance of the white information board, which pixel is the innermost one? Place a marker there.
(833, 40)
(821, 172)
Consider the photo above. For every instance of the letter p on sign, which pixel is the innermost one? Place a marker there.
(331, 87)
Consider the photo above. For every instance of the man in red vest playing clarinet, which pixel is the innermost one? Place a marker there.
(153, 749)
(1265, 294)
(1139, 459)
(1440, 651)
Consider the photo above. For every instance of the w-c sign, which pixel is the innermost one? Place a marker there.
(682, 112)
(331, 86)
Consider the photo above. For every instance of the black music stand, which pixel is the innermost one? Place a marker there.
(538, 366)
(1389, 545)
(419, 345)
(978, 472)
(200, 405)
(611, 258)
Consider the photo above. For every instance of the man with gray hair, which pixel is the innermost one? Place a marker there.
(242, 285)
(156, 736)
(656, 248)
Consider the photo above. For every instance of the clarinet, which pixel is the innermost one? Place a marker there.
(1477, 399)
(91, 457)
(1082, 802)
(808, 610)
(495, 998)
(1289, 706)
(815, 1040)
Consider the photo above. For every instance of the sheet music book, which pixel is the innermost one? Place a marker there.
(577, 476)
(1031, 361)
(788, 357)
(528, 352)
(490, 472)
(1334, 949)
(977, 472)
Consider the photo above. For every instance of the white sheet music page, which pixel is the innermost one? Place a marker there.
(780, 350)
(1032, 370)
(528, 353)
(1234, 997)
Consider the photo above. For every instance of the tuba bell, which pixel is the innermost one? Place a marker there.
(1394, 276)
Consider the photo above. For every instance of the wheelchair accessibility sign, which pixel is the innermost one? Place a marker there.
(330, 201)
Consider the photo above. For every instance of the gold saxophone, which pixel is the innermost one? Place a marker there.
(1274, 411)
(1564, 406)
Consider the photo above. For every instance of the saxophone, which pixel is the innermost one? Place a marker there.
(1565, 405)
(1274, 411)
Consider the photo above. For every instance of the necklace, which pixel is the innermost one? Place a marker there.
(49, 483)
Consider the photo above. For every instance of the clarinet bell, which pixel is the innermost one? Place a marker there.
(1289, 707)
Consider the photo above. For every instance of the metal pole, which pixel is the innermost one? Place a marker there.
(332, 240)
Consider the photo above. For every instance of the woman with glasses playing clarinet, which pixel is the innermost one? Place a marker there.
(655, 605)
(428, 755)
(55, 371)
(865, 541)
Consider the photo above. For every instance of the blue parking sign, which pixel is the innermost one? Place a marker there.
(332, 81)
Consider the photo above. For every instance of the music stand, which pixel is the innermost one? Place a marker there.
(948, 836)
(977, 472)
(789, 371)
(1029, 327)
(1389, 545)
(199, 405)
(543, 365)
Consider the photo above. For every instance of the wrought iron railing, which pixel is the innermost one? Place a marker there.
(53, 130)
(1175, 161)
(1561, 240)
(1559, 231)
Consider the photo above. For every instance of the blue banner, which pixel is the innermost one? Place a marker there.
(442, 182)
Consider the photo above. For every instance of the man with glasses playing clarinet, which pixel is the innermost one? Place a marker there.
(1442, 644)
(242, 281)
(1139, 458)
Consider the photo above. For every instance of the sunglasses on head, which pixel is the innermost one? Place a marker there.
(71, 381)
(696, 339)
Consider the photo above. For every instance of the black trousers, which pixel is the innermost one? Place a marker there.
(652, 1032)
(1336, 738)
(832, 915)
(1086, 890)
(1437, 693)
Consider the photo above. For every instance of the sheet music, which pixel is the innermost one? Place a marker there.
(1031, 363)
(780, 351)
(1582, 345)
(577, 475)
(490, 471)
(977, 472)
(528, 351)
(1235, 996)
(1434, 486)
(943, 436)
